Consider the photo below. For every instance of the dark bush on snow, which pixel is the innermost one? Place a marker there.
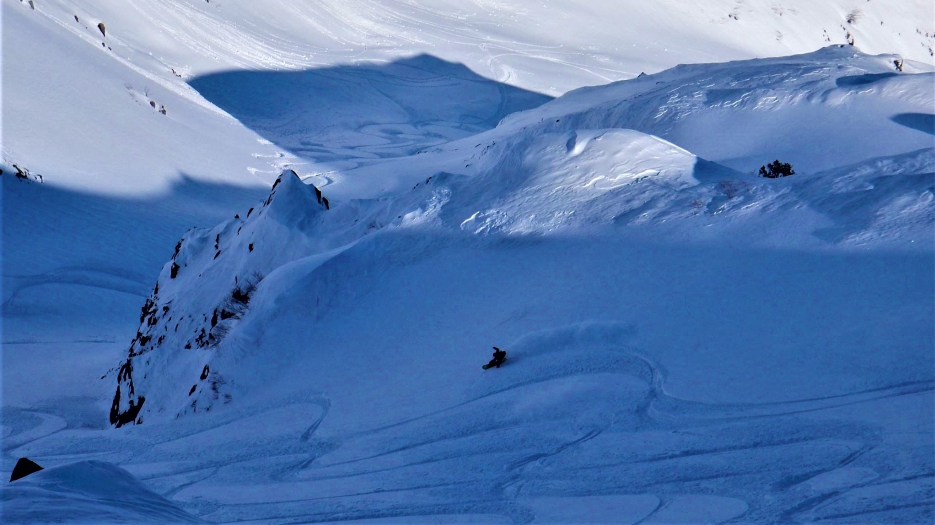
(776, 169)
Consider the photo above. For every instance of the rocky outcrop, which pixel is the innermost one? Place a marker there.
(23, 468)
(201, 293)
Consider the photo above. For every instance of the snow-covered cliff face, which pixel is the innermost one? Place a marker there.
(585, 164)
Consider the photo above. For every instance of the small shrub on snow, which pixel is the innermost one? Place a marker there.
(854, 16)
(776, 169)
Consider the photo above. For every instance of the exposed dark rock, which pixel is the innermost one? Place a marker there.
(23, 468)
(321, 198)
(241, 296)
(117, 418)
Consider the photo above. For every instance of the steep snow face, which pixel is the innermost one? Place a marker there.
(81, 115)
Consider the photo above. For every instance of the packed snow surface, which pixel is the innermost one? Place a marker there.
(364, 197)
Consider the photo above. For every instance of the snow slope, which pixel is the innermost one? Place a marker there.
(80, 115)
(536, 181)
(548, 47)
(63, 71)
(59, 78)
(688, 343)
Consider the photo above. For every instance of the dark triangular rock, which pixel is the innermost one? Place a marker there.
(23, 468)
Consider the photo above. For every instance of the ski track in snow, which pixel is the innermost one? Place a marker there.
(310, 477)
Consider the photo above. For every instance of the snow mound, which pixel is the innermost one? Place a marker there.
(86, 492)
(538, 183)
(813, 110)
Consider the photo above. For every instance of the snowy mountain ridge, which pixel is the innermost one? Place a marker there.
(165, 53)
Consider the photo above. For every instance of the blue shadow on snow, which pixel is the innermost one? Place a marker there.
(923, 122)
(368, 110)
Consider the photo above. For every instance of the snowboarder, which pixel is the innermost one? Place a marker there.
(499, 356)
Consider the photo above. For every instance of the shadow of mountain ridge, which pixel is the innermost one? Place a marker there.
(368, 110)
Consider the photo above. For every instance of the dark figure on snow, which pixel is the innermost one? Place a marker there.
(499, 356)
